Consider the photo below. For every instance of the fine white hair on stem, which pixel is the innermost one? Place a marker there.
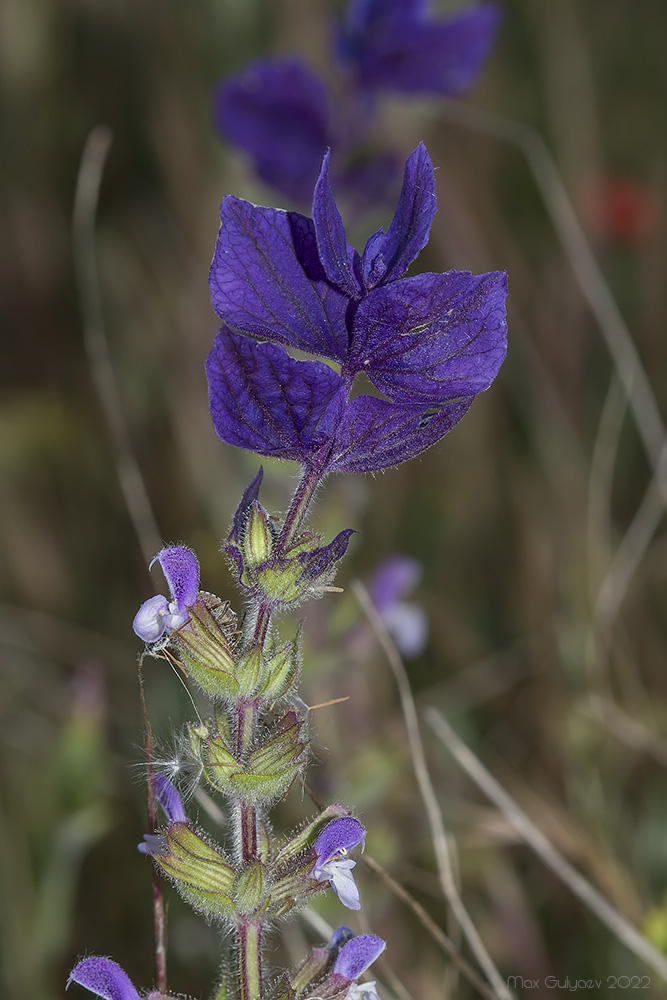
(438, 833)
(543, 848)
(86, 198)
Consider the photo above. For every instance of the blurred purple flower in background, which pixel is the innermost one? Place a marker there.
(406, 622)
(398, 45)
(428, 343)
(280, 112)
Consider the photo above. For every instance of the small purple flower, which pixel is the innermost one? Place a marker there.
(103, 977)
(181, 571)
(398, 45)
(428, 343)
(406, 622)
(172, 806)
(355, 956)
(332, 847)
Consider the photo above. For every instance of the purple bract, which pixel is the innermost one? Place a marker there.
(428, 343)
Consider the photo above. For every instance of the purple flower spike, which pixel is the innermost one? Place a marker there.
(357, 955)
(181, 571)
(332, 846)
(396, 45)
(103, 977)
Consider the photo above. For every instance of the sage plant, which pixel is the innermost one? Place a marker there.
(427, 344)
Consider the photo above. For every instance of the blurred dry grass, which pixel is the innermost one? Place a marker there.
(517, 517)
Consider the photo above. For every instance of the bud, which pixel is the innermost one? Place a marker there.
(283, 668)
(207, 645)
(250, 672)
(257, 536)
(201, 873)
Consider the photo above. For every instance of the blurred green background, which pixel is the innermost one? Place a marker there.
(516, 517)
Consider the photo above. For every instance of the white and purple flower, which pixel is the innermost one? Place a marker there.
(157, 614)
(333, 865)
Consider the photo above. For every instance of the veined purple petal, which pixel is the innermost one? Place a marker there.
(277, 111)
(181, 571)
(149, 622)
(340, 835)
(357, 955)
(388, 255)
(263, 400)
(267, 280)
(337, 256)
(103, 977)
(432, 338)
(377, 434)
(169, 800)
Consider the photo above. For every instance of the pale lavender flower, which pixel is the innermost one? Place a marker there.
(181, 571)
(332, 846)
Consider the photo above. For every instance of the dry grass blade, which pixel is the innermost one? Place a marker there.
(430, 926)
(535, 839)
(443, 859)
(85, 263)
(585, 267)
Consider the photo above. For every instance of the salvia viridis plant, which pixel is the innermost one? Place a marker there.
(427, 344)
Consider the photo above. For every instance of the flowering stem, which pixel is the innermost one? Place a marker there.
(249, 932)
(301, 501)
(249, 936)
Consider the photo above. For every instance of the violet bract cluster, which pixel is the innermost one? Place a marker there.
(422, 348)
(284, 115)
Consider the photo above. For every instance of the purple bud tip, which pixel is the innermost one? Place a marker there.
(103, 977)
(357, 955)
(340, 937)
(169, 800)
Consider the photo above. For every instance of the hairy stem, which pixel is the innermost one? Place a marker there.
(249, 937)
(249, 932)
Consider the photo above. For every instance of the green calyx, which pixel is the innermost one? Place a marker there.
(201, 873)
(251, 889)
(260, 775)
(258, 538)
(207, 646)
